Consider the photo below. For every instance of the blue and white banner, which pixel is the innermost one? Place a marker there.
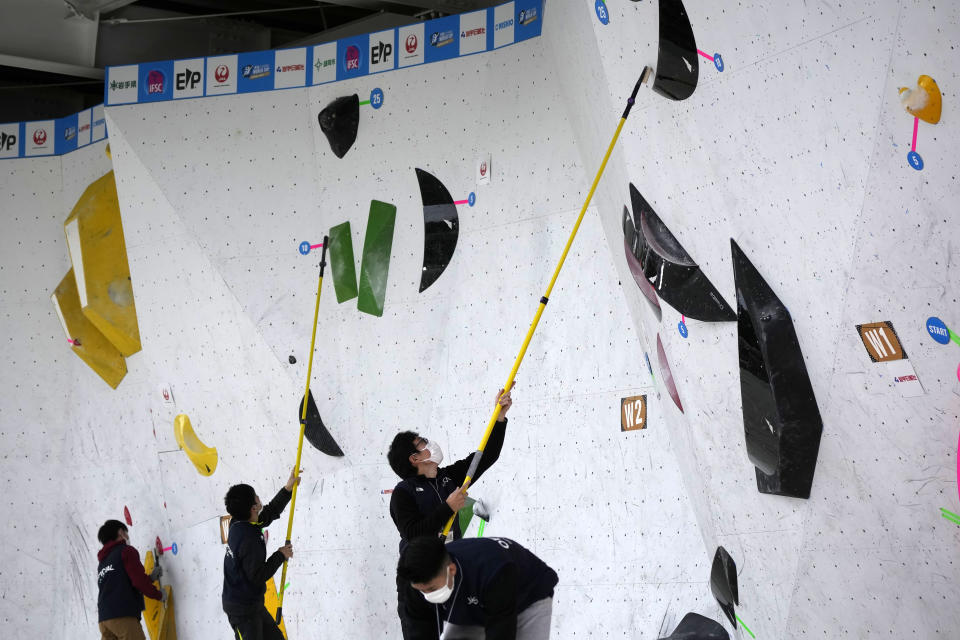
(425, 42)
(52, 137)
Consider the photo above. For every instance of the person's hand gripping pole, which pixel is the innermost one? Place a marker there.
(295, 474)
(546, 296)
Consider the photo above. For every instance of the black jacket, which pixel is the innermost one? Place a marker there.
(418, 505)
(496, 579)
(246, 567)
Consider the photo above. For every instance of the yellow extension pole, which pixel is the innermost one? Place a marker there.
(543, 301)
(303, 424)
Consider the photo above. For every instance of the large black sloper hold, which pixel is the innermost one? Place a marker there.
(636, 269)
(697, 627)
(678, 66)
(339, 121)
(315, 432)
(676, 277)
(781, 419)
(723, 583)
(441, 227)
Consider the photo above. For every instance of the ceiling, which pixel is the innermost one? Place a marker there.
(53, 52)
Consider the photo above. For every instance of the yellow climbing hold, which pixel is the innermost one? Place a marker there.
(923, 101)
(204, 458)
(159, 618)
(271, 601)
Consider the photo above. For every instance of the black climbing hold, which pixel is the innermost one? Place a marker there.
(292, 359)
(678, 65)
(697, 627)
(315, 432)
(676, 277)
(781, 419)
(339, 121)
(441, 228)
(723, 583)
(636, 269)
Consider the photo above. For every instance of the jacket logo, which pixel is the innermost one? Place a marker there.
(229, 551)
(419, 488)
(473, 600)
(445, 480)
(107, 569)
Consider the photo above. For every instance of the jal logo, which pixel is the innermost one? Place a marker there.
(222, 73)
(503, 25)
(483, 169)
(411, 43)
(352, 59)
(39, 137)
(84, 128)
(69, 133)
(187, 79)
(380, 53)
(7, 141)
(155, 82)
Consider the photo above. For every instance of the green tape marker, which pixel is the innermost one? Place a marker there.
(952, 517)
(744, 626)
(954, 336)
(482, 524)
(364, 102)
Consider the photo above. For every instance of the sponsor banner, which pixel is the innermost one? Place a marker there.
(290, 67)
(99, 126)
(503, 22)
(443, 38)
(352, 57)
(905, 378)
(39, 138)
(221, 74)
(473, 32)
(410, 45)
(382, 51)
(66, 131)
(156, 81)
(84, 127)
(121, 87)
(188, 78)
(11, 140)
(324, 67)
(256, 71)
(528, 19)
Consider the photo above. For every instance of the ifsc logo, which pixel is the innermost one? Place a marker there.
(351, 59)
(155, 82)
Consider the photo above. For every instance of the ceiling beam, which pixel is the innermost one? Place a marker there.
(47, 66)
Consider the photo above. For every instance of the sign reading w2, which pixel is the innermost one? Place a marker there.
(375, 264)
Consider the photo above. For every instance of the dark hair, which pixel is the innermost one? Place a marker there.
(399, 454)
(110, 530)
(239, 500)
(423, 559)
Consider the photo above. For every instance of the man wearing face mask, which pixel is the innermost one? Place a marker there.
(246, 567)
(424, 501)
(483, 588)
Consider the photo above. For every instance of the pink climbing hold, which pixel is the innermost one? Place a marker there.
(126, 516)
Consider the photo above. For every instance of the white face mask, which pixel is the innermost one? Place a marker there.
(436, 453)
(442, 594)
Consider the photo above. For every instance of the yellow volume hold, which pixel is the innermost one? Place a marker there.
(204, 458)
(159, 618)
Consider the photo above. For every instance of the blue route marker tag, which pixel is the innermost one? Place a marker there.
(938, 330)
(602, 14)
(718, 62)
(472, 199)
(376, 98)
(682, 328)
(304, 248)
(915, 161)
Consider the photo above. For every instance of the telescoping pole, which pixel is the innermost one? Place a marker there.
(303, 423)
(546, 297)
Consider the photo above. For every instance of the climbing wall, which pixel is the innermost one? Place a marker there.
(798, 151)
(218, 195)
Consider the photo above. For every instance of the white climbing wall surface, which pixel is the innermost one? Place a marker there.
(797, 150)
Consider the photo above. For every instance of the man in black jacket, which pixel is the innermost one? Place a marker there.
(122, 583)
(246, 567)
(483, 588)
(423, 502)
